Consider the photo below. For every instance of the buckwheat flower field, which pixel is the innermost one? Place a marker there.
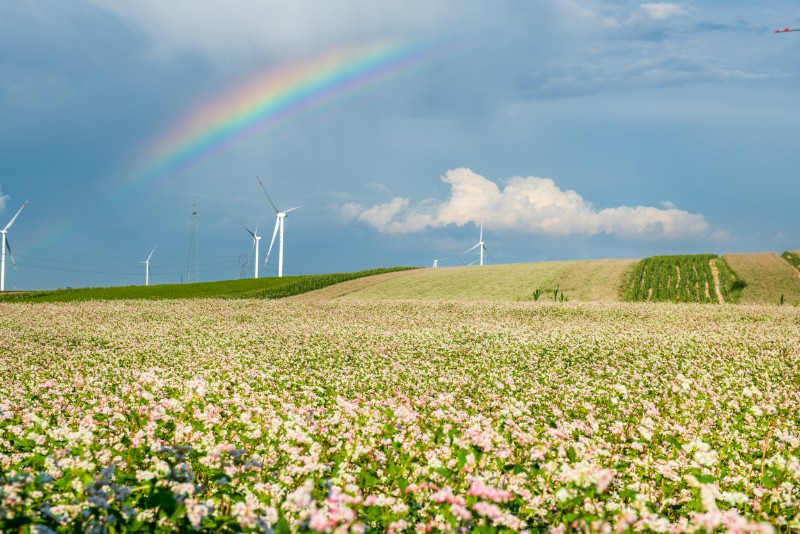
(261, 416)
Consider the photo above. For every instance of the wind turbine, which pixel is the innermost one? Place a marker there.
(436, 262)
(280, 216)
(147, 267)
(6, 246)
(480, 244)
(256, 239)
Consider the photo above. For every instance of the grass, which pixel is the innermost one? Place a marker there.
(792, 257)
(683, 278)
(588, 280)
(768, 276)
(261, 288)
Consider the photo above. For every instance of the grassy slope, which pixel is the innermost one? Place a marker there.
(248, 288)
(793, 257)
(767, 276)
(589, 280)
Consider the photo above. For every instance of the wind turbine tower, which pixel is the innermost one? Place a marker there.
(280, 216)
(256, 239)
(147, 267)
(480, 245)
(7, 246)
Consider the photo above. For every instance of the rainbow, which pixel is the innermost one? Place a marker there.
(269, 99)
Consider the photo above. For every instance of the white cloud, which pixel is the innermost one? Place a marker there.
(3, 199)
(662, 10)
(527, 204)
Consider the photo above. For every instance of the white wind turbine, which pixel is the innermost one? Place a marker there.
(481, 245)
(280, 216)
(6, 246)
(256, 239)
(436, 262)
(147, 267)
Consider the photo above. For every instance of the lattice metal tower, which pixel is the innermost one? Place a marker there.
(242, 265)
(194, 274)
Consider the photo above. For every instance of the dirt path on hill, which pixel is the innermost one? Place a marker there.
(351, 286)
(715, 274)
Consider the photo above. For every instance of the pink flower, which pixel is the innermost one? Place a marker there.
(479, 489)
(487, 510)
(319, 521)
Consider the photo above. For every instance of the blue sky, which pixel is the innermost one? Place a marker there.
(572, 129)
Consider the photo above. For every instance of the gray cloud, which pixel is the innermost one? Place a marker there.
(527, 204)
(228, 32)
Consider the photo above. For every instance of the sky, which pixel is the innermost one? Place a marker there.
(569, 129)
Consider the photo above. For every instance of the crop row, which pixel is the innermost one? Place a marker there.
(234, 415)
(685, 278)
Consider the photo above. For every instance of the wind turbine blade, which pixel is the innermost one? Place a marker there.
(251, 233)
(8, 247)
(481, 239)
(151, 254)
(292, 209)
(473, 248)
(14, 218)
(274, 233)
(265, 192)
(788, 30)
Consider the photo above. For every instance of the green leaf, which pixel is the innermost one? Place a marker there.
(283, 526)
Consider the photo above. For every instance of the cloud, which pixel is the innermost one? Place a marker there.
(228, 31)
(662, 10)
(527, 204)
(3, 199)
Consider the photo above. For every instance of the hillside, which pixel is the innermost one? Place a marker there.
(768, 276)
(261, 288)
(588, 280)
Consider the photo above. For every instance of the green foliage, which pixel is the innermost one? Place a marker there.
(683, 278)
(731, 284)
(263, 288)
(738, 284)
(793, 258)
(557, 294)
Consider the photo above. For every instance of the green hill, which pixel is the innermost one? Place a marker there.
(746, 278)
(264, 288)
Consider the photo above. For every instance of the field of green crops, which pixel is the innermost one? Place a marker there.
(274, 416)
(261, 288)
(685, 278)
